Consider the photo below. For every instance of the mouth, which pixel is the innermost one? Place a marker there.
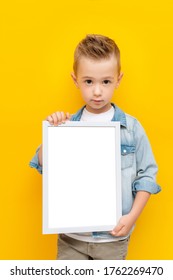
(97, 101)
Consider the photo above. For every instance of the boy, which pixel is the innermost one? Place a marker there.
(97, 73)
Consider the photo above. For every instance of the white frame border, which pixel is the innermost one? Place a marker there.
(45, 125)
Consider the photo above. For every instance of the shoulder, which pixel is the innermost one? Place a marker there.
(132, 122)
(135, 127)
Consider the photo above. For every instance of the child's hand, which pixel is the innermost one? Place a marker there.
(58, 118)
(124, 225)
(127, 221)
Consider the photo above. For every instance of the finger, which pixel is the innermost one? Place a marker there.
(63, 117)
(50, 119)
(122, 232)
(55, 118)
(59, 117)
(116, 230)
(118, 227)
(68, 116)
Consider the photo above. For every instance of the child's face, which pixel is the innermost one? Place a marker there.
(97, 81)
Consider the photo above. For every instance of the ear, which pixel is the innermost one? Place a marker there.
(119, 79)
(74, 79)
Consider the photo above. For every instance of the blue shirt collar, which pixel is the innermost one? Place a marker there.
(119, 115)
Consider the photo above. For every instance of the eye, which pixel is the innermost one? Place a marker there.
(88, 82)
(106, 82)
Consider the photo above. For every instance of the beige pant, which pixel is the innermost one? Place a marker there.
(72, 249)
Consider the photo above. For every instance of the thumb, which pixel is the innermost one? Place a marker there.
(117, 228)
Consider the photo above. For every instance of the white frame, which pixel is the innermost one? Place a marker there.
(112, 207)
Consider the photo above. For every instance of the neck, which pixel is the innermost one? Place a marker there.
(104, 109)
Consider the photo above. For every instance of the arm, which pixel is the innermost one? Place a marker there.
(54, 119)
(144, 184)
(126, 222)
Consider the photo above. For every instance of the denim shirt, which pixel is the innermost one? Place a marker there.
(138, 166)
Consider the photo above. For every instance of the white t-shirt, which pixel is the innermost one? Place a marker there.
(102, 117)
(91, 117)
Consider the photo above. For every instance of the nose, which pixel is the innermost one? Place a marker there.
(97, 90)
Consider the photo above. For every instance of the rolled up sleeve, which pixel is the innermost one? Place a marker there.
(34, 162)
(145, 164)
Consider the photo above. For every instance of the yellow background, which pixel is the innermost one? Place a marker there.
(36, 55)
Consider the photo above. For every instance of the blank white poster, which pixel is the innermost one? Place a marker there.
(81, 177)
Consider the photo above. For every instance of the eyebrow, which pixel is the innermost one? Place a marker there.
(104, 78)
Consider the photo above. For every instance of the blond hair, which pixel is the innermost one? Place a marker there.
(96, 47)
